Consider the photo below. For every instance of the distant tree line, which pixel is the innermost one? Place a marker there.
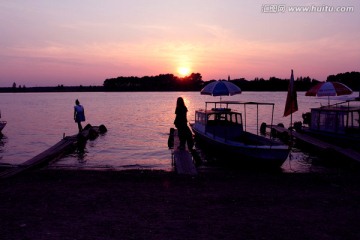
(193, 82)
(350, 79)
(274, 84)
(59, 88)
(162, 82)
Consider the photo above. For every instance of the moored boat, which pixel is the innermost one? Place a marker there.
(337, 123)
(224, 131)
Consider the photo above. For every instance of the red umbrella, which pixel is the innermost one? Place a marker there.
(329, 89)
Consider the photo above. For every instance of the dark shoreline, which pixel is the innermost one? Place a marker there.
(221, 204)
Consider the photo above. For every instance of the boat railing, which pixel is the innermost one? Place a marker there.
(348, 104)
(226, 104)
(221, 109)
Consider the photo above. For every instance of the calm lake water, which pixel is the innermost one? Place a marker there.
(138, 125)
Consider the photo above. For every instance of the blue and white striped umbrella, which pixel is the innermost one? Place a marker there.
(220, 88)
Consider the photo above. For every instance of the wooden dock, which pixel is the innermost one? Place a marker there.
(182, 159)
(64, 146)
(346, 152)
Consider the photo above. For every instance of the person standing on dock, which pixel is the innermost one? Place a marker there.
(79, 114)
(184, 132)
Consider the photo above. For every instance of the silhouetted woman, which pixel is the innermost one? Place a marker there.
(184, 132)
(79, 114)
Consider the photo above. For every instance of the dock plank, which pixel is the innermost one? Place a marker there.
(55, 152)
(347, 152)
(184, 163)
(183, 159)
(313, 141)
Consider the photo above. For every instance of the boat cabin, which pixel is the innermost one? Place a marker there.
(341, 118)
(221, 122)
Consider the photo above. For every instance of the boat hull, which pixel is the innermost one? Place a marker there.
(259, 155)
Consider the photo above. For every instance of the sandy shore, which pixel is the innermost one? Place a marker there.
(224, 204)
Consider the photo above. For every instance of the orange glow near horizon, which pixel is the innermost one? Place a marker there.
(183, 71)
(87, 47)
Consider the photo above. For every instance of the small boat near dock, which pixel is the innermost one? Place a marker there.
(224, 131)
(338, 123)
(332, 129)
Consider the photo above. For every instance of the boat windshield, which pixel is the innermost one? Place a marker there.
(227, 117)
(224, 107)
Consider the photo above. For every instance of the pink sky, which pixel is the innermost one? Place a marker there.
(47, 43)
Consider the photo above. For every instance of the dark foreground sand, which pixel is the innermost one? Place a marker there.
(63, 204)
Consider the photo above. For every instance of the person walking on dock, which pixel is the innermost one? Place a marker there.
(79, 114)
(185, 135)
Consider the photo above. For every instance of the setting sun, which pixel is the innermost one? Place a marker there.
(183, 71)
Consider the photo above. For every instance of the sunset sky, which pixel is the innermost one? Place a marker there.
(83, 42)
